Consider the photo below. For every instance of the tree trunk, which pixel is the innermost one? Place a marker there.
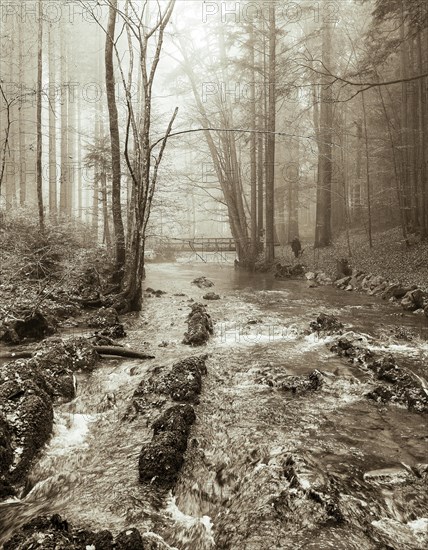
(369, 214)
(115, 145)
(253, 150)
(39, 119)
(423, 116)
(52, 128)
(323, 210)
(270, 153)
(21, 124)
(63, 206)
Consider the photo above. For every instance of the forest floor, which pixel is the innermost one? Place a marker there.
(390, 257)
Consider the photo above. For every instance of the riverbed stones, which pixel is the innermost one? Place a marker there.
(398, 384)
(199, 325)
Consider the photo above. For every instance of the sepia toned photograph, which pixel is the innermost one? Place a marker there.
(213, 274)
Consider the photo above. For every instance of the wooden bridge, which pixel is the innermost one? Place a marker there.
(203, 244)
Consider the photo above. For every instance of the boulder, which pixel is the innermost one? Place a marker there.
(310, 275)
(302, 384)
(163, 457)
(153, 292)
(199, 325)
(343, 282)
(181, 383)
(202, 282)
(326, 323)
(211, 296)
(376, 281)
(378, 289)
(414, 299)
(31, 326)
(323, 279)
(393, 290)
(289, 271)
(177, 419)
(29, 411)
(184, 380)
(130, 539)
(55, 533)
(105, 317)
(28, 390)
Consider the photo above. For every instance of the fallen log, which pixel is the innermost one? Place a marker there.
(122, 352)
(102, 350)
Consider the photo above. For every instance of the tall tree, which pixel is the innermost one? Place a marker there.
(325, 162)
(52, 126)
(270, 150)
(119, 233)
(39, 172)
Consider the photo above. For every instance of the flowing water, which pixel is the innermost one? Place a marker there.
(266, 468)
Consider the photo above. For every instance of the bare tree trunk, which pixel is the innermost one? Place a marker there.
(79, 162)
(115, 145)
(10, 151)
(423, 124)
(369, 214)
(63, 205)
(104, 199)
(270, 153)
(323, 216)
(21, 124)
(95, 195)
(396, 169)
(293, 195)
(52, 128)
(253, 150)
(404, 124)
(39, 119)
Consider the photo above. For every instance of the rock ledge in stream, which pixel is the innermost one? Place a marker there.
(162, 458)
(326, 323)
(398, 384)
(199, 325)
(28, 390)
(56, 533)
(182, 383)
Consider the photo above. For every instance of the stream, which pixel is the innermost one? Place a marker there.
(265, 468)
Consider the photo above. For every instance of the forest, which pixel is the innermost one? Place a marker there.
(263, 163)
(302, 120)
